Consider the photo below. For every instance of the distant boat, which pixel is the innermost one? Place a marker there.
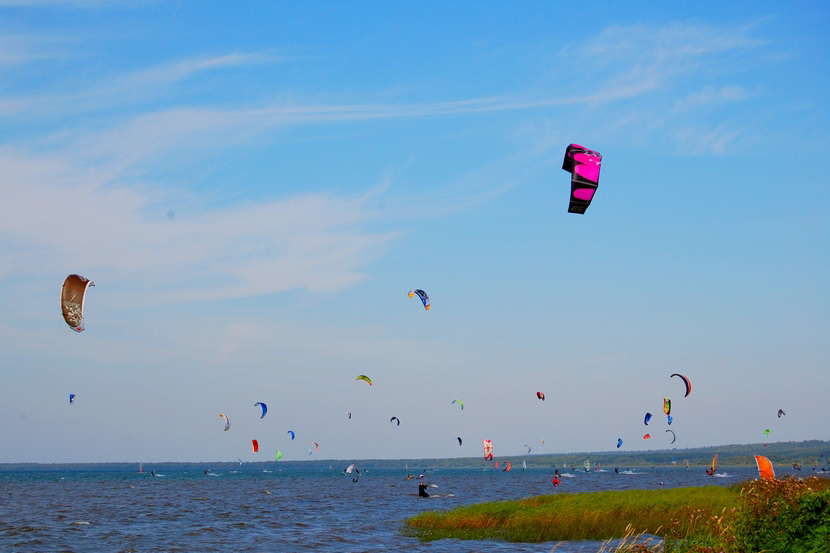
(524, 465)
(587, 465)
(141, 468)
(711, 471)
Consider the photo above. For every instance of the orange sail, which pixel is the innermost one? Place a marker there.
(765, 469)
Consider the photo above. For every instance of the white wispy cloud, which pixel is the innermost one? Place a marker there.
(128, 89)
(670, 80)
(67, 215)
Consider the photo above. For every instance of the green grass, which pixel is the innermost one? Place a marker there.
(582, 516)
(786, 515)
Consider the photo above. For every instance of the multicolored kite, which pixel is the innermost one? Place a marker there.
(422, 295)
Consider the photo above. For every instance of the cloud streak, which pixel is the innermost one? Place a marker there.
(74, 216)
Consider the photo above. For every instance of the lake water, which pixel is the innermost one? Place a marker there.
(281, 511)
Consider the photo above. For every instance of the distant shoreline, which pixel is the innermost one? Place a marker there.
(782, 454)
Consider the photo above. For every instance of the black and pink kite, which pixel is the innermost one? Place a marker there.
(583, 165)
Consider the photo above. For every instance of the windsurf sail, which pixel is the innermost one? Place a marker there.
(765, 469)
(488, 450)
(587, 465)
(507, 467)
(524, 465)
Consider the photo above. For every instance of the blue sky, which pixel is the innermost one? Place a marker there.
(255, 188)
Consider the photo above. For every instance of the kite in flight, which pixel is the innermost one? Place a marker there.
(71, 399)
(619, 442)
(292, 434)
(227, 421)
(673, 435)
(459, 439)
(264, 408)
(255, 445)
(666, 405)
(583, 165)
(540, 395)
(395, 419)
(364, 377)
(687, 382)
(422, 295)
(647, 418)
(458, 401)
(781, 412)
(73, 294)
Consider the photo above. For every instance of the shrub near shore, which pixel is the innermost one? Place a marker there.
(774, 516)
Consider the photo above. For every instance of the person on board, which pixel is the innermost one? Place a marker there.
(422, 489)
(556, 481)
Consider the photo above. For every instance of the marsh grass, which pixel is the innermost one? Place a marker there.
(774, 516)
(608, 515)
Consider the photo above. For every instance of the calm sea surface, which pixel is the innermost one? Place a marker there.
(281, 511)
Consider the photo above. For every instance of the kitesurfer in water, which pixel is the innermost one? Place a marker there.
(422, 489)
(556, 481)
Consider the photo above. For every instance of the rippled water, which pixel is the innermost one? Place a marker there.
(279, 511)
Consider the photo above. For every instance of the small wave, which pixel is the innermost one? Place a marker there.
(721, 475)
(81, 523)
(567, 475)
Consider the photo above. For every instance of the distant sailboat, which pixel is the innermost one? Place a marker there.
(524, 465)
(587, 465)
(711, 471)
(141, 468)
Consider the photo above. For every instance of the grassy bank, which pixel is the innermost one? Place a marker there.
(786, 516)
(578, 516)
